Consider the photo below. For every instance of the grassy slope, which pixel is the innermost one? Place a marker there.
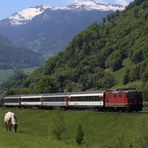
(118, 75)
(5, 74)
(100, 129)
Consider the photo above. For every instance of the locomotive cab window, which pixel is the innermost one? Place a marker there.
(115, 95)
(120, 95)
(131, 95)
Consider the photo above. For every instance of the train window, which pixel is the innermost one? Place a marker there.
(55, 99)
(94, 99)
(109, 95)
(97, 98)
(91, 99)
(115, 95)
(30, 99)
(120, 95)
(11, 100)
(86, 99)
(131, 95)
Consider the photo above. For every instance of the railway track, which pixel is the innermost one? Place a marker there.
(143, 112)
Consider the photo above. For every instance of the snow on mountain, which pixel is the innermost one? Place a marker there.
(93, 5)
(28, 14)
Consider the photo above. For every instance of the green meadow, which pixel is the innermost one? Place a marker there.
(101, 129)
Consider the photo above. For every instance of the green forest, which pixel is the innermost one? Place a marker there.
(14, 57)
(110, 54)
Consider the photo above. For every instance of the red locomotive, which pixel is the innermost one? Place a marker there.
(117, 100)
(124, 100)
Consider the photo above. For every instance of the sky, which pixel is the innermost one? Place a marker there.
(8, 7)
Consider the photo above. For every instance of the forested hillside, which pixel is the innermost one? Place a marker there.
(12, 57)
(114, 52)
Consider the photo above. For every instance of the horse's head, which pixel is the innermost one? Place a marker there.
(15, 127)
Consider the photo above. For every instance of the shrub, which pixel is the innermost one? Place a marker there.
(59, 125)
(79, 135)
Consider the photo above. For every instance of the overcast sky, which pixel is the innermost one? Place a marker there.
(8, 7)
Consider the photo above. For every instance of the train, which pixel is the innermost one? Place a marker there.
(106, 100)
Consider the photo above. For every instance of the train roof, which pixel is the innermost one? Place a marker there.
(72, 94)
(31, 96)
(89, 93)
(95, 93)
(126, 90)
(12, 96)
(54, 95)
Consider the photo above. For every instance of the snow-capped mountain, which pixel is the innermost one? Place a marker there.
(49, 29)
(93, 5)
(28, 14)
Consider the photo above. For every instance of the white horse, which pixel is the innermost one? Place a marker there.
(10, 121)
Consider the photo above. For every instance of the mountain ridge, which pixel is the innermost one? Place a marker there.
(26, 15)
(14, 57)
(50, 31)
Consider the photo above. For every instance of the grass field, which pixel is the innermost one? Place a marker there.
(100, 129)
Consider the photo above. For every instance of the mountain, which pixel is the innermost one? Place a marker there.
(26, 15)
(13, 57)
(111, 54)
(49, 29)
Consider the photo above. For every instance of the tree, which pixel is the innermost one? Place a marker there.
(126, 77)
(46, 84)
(137, 56)
(79, 135)
(108, 81)
(145, 76)
(114, 61)
(58, 124)
(145, 93)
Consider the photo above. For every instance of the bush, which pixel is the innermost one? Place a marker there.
(79, 135)
(145, 94)
(59, 125)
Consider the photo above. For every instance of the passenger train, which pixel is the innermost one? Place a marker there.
(117, 100)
